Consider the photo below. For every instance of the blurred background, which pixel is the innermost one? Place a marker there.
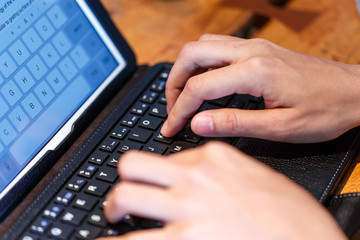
(157, 29)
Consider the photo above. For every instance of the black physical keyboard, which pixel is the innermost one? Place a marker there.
(76, 211)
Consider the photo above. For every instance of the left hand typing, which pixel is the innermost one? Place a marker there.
(215, 192)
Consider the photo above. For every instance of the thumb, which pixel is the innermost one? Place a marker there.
(270, 124)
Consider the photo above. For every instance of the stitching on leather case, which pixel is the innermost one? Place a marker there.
(338, 169)
(347, 195)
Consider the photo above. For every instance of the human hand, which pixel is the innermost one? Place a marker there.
(215, 192)
(307, 98)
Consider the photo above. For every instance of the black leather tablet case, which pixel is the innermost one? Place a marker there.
(317, 167)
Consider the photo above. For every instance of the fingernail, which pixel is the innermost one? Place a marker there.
(203, 124)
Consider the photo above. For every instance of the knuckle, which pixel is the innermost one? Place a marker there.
(262, 44)
(265, 66)
(232, 123)
(195, 84)
(189, 48)
(206, 36)
(260, 63)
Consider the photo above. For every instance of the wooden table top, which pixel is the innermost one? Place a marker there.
(157, 29)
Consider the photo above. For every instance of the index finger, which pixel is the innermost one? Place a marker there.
(198, 57)
(212, 85)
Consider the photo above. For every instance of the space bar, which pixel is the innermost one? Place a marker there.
(34, 137)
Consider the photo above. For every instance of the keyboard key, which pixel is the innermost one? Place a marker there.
(44, 28)
(68, 68)
(113, 160)
(117, 230)
(140, 135)
(7, 132)
(151, 123)
(139, 108)
(79, 56)
(92, 44)
(40, 226)
(37, 67)
(154, 147)
(73, 217)
(8, 166)
(19, 119)
(107, 174)
(19, 52)
(97, 188)
(44, 93)
(56, 16)
(98, 219)
(109, 144)
(53, 212)
(187, 135)
(127, 146)
(32, 106)
(24, 79)
(98, 157)
(49, 55)
(119, 132)
(165, 74)
(29, 236)
(7, 65)
(158, 85)
(32, 40)
(158, 110)
(69, 7)
(94, 74)
(3, 107)
(11, 92)
(61, 43)
(179, 146)
(129, 120)
(56, 80)
(87, 232)
(160, 138)
(85, 202)
(162, 99)
(77, 28)
(64, 197)
(149, 97)
(76, 184)
(107, 61)
(60, 231)
(87, 171)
